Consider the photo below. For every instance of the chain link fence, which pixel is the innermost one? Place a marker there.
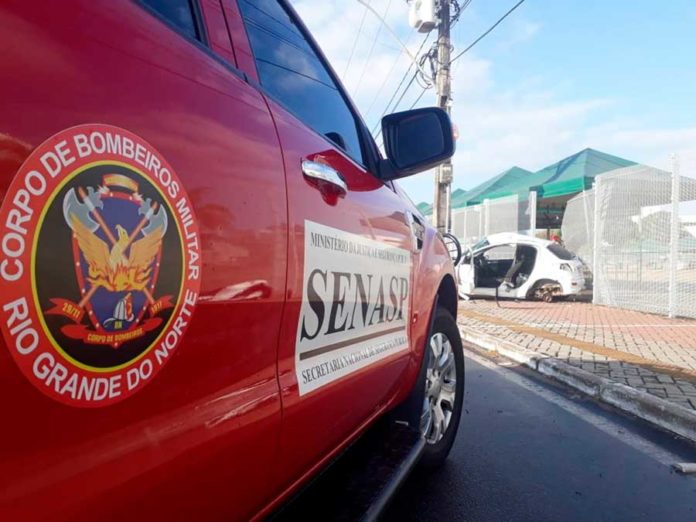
(644, 239)
(578, 226)
(506, 214)
(468, 224)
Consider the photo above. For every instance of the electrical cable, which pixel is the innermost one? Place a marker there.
(372, 49)
(459, 9)
(384, 83)
(488, 31)
(355, 44)
(408, 86)
(417, 99)
(403, 79)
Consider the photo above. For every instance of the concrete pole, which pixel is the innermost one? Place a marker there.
(443, 177)
(674, 238)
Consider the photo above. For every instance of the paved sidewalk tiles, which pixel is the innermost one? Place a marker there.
(651, 353)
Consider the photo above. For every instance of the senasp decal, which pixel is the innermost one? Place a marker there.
(355, 305)
(99, 265)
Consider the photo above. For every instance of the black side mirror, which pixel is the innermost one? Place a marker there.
(415, 141)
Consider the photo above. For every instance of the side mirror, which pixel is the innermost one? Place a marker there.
(415, 141)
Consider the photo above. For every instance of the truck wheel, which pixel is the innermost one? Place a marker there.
(444, 389)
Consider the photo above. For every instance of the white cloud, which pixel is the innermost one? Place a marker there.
(519, 32)
(655, 146)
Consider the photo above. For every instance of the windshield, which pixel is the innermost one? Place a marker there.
(481, 244)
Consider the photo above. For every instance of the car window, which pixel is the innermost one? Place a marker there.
(291, 72)
(561, 252)
(500, 252)
(179, 13)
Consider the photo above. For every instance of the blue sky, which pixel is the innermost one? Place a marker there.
(555, 77)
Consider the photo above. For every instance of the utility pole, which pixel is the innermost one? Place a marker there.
(443, 177)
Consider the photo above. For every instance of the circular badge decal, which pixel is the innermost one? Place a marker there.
(99, 265)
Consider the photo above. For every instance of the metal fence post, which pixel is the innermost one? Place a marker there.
(588, 233)
(486, 216)
(674, 238)
(532, 212)
(465, 232)
(596, 279)
(482, 220)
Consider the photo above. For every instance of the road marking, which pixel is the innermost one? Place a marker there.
(607, 426)
(590, 326)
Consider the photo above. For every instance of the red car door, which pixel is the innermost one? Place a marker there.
(345, 333)
(129, 99)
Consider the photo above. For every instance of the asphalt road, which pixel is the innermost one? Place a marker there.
(529, 450)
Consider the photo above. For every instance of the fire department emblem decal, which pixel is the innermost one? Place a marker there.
(99, 282)
(117, 250)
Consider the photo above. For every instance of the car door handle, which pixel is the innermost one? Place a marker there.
(324, 173)
(417, 230)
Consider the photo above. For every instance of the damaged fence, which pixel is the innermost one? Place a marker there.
(578, 226)
(637, 230)
(492, 216)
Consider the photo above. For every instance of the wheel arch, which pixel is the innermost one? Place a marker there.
(540, 282)
(447, 295)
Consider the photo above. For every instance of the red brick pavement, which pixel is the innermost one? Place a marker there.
(660, 339)
(649, 352)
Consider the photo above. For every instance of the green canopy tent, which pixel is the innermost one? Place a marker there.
(577, 172)
(480, 192)
(425, 208)
(564, 178)
(458, 196)
(554, 184)
(558, 182)
(567, 177)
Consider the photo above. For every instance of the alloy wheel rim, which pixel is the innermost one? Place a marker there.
(440, 389)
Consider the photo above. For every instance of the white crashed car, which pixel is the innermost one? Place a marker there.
(521, 267)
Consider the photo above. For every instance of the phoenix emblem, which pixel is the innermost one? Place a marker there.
(117, 239)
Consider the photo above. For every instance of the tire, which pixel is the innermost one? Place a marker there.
(440, 377)
(413, 409)
(443, 375)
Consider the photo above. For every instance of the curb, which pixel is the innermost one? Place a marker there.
(662, 413)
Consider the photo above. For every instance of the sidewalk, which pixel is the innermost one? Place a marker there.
(604, 346)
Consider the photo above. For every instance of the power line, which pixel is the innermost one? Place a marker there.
(355, 44)
(418, 99)
(393, 33)
(372, 49)
(401, 82)
(489, 30)
(389, 74)
(415, 75)
(408, 86)
(459, 10)
(464, 6)
(384, 83)
(386, 110)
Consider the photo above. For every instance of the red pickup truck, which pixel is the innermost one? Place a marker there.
(210, 283)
